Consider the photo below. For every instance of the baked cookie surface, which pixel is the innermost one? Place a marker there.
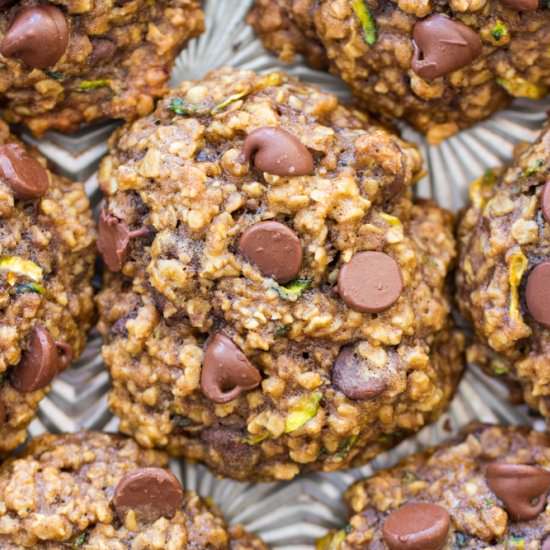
(502, 285)
(47, 255)
(442, 65)
(69, 62)
(276, 303)
(95, 491)
(487, 490)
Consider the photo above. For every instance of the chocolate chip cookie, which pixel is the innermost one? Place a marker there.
(442, 65)
(275, 302)
(47, 255)
(487, 490)
(503, 284)
(95, 491)
(69, 62)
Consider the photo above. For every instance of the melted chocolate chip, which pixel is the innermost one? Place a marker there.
(26, 177)
(278, 152)
(353, 376)
(230, 452)
(522, 5)
(274, 248)
(226, 371)
(39, 365)
(151, 493)
(370, 282)
(522, 488)
(417, 526)
(38, 35)
(442, 45)
(537, 293)
(113, 238)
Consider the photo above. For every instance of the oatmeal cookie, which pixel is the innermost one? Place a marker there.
(487, 490)
(440, 65)
(95, 491)
(47, 255)
(68, 62)
(503, 283)
(276, 301)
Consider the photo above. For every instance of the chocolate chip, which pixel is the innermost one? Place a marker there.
(103, 50)
(39, 365)
(226, 371)
(26, 177)
(442, 46)
(545, 201)
(417, 526)
(537, 293)
(38, 35)
(522, 5)
(113, 238)
(370, 282)
(274, 248)
(2, 413)
(150, 492)
(278, 152)
(522, 488)
(230, 453)
(353, 376)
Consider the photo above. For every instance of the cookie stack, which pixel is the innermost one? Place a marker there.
(273, 298)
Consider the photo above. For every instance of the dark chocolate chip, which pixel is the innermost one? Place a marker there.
(442, 46)
(226, 371)
(113, 238)
(522, 488)
(545, 201)
(103, 50)
(38, 35)
(40, 362)
(276, 151)
(2, 413)
(353, 376)
(26, 177)
(370, 282)
(522, 5)
(151, 493)
(537, 293)
(417, 526)
(274, 248)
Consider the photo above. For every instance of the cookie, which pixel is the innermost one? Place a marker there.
(442, 66)
(93, 491)
(47, 256)
(67, 63)
(489, 489)
(275, 302)
(502, 278)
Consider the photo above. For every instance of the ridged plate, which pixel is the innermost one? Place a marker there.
(290, 515)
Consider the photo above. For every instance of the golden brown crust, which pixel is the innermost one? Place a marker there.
(182, 176)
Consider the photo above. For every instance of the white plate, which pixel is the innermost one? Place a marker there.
(291, 515)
